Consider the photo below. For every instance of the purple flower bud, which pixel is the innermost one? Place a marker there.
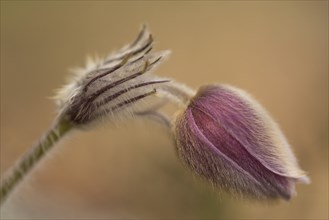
(229, 139)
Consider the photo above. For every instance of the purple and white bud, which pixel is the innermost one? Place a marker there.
(225, 136)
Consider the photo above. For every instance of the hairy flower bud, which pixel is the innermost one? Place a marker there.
(112, 87)
(229, 139)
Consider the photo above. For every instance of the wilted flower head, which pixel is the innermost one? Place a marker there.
(112, 87)
(228, 138)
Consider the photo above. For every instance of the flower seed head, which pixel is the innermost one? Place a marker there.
(229, 139)
(113, 86)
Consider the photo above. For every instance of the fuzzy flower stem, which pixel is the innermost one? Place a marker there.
(178, 92)
(33, 156)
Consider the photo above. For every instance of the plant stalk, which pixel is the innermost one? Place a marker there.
(32, 157)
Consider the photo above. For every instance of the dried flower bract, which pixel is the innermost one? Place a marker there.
(112, 87)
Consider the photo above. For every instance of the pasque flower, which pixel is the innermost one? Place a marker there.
(106, 88)
(222, 134)
(225, 136)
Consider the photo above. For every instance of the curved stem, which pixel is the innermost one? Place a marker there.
(32, 157)
(177, 92)
(157, 116)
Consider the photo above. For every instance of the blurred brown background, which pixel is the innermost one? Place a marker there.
(277, 51)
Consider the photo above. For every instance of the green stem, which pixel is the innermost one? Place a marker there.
(32, 157)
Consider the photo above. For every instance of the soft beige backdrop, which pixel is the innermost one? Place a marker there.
(277, 51)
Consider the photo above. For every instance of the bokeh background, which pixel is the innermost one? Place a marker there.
(276, 50)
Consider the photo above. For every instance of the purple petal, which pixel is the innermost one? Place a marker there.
(227, 138)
